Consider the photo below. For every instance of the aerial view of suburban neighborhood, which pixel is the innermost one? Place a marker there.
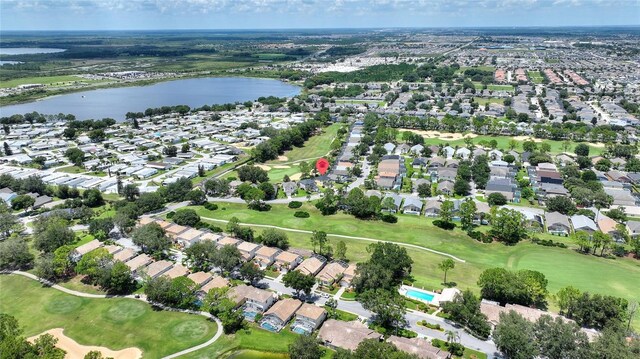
(319, 179)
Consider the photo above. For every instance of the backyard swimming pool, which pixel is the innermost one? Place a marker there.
(268, 326)
(420, 295)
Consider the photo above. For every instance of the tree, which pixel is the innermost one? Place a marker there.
(45, 268)
(186, 217)
(201, 255)
(7, 149)
(217, 187)
(446, 211)
(467, 214)
(75, 156)
(341, 250)
(119, 279)
(251, 273)
(514, 337)
(227, 258)
(196, 197)
(93, 198)
(15, 255)
(51, 232)
(22, 201)
(558, 339)
(151, 239)
(319, 238)
(525, 287)
(131, 192)
(268, 189)
(388, 265)
(252, 174)
(445, 266)
(305, 347)
(9, 223)
(612, 344)
(496, 199)
(299, 282)
(481, 171)
(388, 307)
(149, 202)
(561, 204)
(359, 205)
(581, 238)
(170, 151)
(101, 227)
(374, 349)
(582, 150)
(185, 147)
(508, 226)
(63, 265)
(461, 187)
(272, 237)
(465, 310)
(69, 133)
(424, 190)
(328, 204)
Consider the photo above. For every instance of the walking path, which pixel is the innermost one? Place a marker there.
(143, 298)
(344, 236)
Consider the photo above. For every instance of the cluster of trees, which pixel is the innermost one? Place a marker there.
(152, 240)
(31, 184)
(285, 139)
(13, 344)
(594, 310)
(508, 226)
(377, 280)
(205, 255)
(524, 287)
(516, 337)
(217, 303)
(180, 292)
(465, 310)
(584, 187)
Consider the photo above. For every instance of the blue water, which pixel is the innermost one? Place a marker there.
(28, 50)
(268, 326)
(299, 330)
(116, 102)
(420, 295)
(249, 315)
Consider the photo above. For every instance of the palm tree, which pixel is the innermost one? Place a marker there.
(452, 336)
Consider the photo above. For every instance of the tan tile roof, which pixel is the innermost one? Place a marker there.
(88, 247)
(287, 257)
(228, 240)
(178, 270)
(418, 346)
(210, 237)
(163, 224)
(138, 261)
(215, 282)
(346, 335)
(200, 278)
(331, 271)
(145, 220)
(190, 234)
(113, 249)
(175, 229)
(284, 309)
(159, 267)
(267, 252)
(242, 292)
(311, 311)
(124, 255)
(247, 246)
(310, 266)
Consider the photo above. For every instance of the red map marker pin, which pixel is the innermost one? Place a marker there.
(322, 165)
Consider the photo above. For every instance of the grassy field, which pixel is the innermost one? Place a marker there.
(315, 147)
(503, 144)
(562, 267)
(71, 169)
(493, 87)
(535, 76)
(113, 323)
(44, 80)
(483, 101)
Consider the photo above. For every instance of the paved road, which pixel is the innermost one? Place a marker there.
(344, 236)
(143, 298)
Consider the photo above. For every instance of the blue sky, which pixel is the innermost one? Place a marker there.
(282, 14)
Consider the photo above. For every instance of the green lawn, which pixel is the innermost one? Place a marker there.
(493, 87)
(483, 101)
(315, 147)
(71, 169)
(114, 323)
(503, 144)
(44, 80)
(535, 76)
(562, 267)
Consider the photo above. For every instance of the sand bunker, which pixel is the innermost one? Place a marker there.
(77, 351)
(445, 136)
(283, 158)
(281, 166)
(526, 138)
(296, 176)
(266, 168)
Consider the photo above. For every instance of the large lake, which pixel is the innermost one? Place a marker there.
(28, 50)
(116, 102)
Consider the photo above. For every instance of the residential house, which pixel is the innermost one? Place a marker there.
(348, 275)
(634, 228)
(252, 299)
(346, 335)
(583, 223)
(138, 262)
(412, 205)
(178, 270)
(286, 261)
(504, 186)
(607, 226)
(80, 251)
(308, 318)
(558, 224)
(311, 266)
(445, 187)
(214, 282)
(200, 278)
(289, 188)
(280, 314)
(397, 200)
(189, 237)
(331, 273)
(432, 208)
(420, 347)
(248, 250)
(124, 255)
(155, 269)
(265, 256)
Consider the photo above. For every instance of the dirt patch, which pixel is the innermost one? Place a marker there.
(295, 177)
(264, 167)
(77, 351)
(283, 158)
(526, 138)
(281, 166)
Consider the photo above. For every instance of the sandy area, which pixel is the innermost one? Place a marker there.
(526, 138)
(295, 177)
(283, 158)
(281, 166)
(77, 351)
(266, 168)
(445, 136)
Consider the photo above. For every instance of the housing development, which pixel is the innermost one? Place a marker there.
(481, 197)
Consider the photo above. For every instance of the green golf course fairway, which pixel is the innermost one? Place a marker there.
(115, 323)
(562, 267)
